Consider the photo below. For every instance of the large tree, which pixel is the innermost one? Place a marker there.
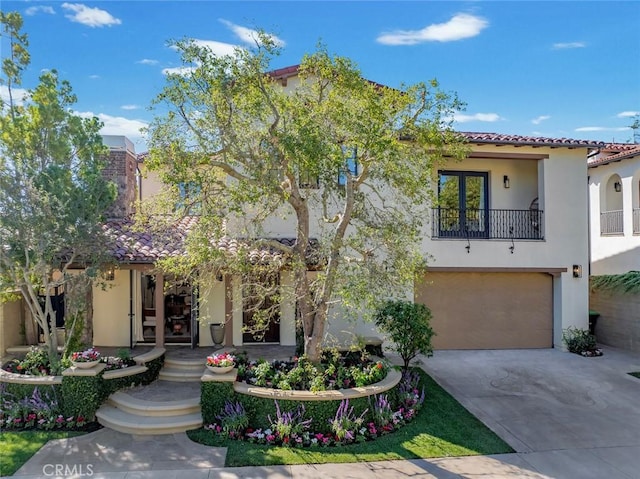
(348, 162)
(53, 194)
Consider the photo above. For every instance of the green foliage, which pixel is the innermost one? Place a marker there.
(54, 194)
(285, 150)
(82, 395)
(442, 428)
(35, 363)
(212, 398)
(627, 283)
(578, 340)
(408, 326)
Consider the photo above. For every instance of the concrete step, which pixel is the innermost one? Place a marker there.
(125, 402)
(188, 364)
(129, 423)
(181, 375)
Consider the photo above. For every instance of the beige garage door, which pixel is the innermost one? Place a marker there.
(489, 310)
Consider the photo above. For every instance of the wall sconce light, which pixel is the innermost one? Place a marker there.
(505, 181)
(617, 186)
(577, 271)
(110, 274)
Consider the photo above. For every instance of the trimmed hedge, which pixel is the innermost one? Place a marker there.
(82, 395)
(215, 394)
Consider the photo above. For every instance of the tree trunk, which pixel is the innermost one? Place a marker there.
(87, 329)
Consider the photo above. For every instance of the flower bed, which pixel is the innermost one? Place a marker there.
(40, 410)
(335, 371)
(293, 425)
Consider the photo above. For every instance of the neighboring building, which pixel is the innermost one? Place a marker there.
(614, 204)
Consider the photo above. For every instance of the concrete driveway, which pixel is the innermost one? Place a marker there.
(566, 416)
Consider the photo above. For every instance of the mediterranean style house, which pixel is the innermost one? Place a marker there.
(507, 245)
(508, 270)
(614, 205)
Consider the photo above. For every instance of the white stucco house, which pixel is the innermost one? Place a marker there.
(614, 206)
(508, 264)
(614, 209)
(507, 247)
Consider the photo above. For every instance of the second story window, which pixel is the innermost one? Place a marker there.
(350, 155)
(462, 204)
(187, 192)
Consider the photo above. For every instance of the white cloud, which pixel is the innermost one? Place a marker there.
(485, 117)
(147, 61)
(628, 114)
(91, 17)
(94, 77)
(460, 26)
(130, 107)
(568, 45)
(178, 70)
(39, 9)
(18, 94)
(602, 128)
(217, 48)
(250, 36)
(540, 119)
(118, 125)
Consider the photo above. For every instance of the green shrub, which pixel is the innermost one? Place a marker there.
(212, 399)
(82, 395)
(408, 325)
(578, 340)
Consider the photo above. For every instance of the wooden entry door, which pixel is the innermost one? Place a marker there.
(261, 308)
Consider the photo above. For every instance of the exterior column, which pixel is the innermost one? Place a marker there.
(228, 311)
(159, 304)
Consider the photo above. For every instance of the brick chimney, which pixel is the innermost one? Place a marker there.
(121, 168)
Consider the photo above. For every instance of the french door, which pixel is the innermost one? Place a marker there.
(462, 204)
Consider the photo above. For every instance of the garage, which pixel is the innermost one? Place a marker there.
(489, 310)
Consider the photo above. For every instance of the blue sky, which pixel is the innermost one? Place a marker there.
(553, 68)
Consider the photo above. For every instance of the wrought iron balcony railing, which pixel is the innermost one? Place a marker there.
(611, 222)
(487, 224)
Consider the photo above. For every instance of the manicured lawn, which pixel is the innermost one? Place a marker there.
(16, 447)
(442, 428)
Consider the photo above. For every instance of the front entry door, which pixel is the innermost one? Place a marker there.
(261, 308)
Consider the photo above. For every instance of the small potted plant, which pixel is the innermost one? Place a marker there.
(221, 363)
(85, 359)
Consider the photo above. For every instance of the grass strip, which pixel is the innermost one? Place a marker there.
(636, 374)
(442, 428)
(17, 447)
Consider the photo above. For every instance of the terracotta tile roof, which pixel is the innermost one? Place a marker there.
(130, 245)
(284, 73)
(518, 140)
(620, 146)
(622, 155)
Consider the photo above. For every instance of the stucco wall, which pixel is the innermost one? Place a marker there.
(620, 253)
(111, 325)
(212, 300)
(619, 321)
(11, 324)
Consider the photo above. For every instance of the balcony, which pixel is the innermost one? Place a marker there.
(487, 224)
(611, 223)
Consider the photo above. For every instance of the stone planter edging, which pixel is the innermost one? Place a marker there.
(392, 379)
